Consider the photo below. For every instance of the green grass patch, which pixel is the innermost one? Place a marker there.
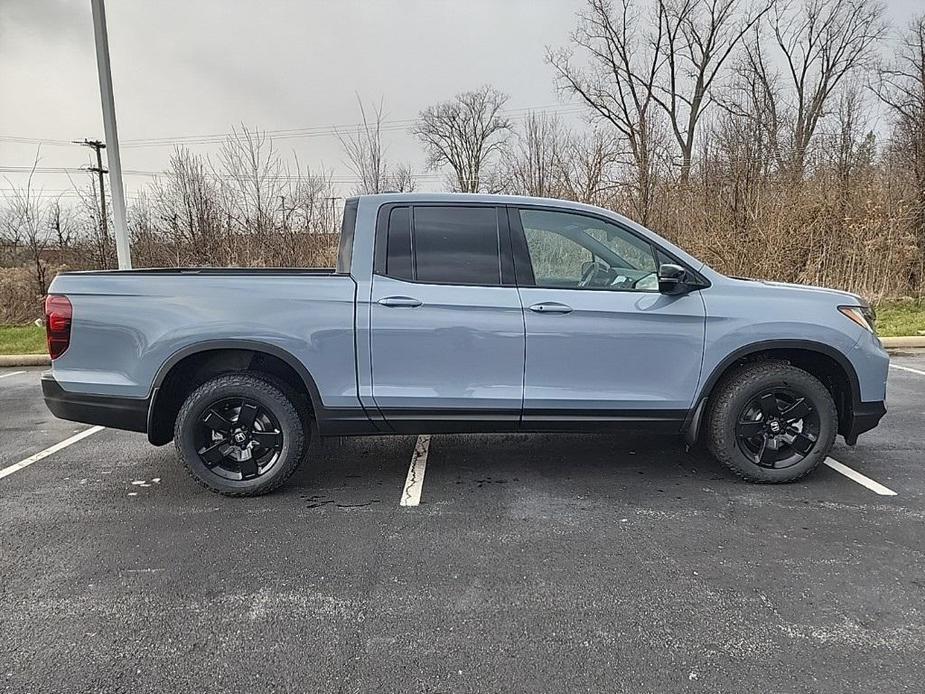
(22, 339)
(901, 317)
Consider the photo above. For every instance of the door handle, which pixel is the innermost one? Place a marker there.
(551, 307)
(400, 301)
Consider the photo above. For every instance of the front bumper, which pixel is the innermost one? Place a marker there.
(864, 417)
(106, 410)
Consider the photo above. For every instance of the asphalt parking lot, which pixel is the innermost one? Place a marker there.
(532, 563)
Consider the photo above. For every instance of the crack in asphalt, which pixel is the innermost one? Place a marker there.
(319, 501)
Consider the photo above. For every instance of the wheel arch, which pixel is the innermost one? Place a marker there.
(188, 367)
(823, 361)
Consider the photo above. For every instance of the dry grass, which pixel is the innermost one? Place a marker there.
(862, 242)
(20, 299)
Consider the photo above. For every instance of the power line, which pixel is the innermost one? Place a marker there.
(43, 193)
(137, 172)
(329, 130)
(395, 125)
(34, 141)
(68, 169)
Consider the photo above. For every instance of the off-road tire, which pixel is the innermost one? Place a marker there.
(733, 394)
(270, 394)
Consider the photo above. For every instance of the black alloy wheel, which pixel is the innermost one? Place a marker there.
(239, 439)
(778, 428)
(242, 434)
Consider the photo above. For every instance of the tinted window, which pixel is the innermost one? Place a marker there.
(578, 252)
(345, 252)
(457, 245)
(398, 254)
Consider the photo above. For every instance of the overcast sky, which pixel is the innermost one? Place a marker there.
(199, 67)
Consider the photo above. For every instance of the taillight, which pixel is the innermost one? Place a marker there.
(58, 313)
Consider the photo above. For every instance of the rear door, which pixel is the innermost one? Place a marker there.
(447, 332)
(602, 343)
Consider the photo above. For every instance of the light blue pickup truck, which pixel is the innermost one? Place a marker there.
(464, 313)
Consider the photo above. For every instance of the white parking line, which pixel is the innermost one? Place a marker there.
(414, 483)
(863, 480)
(48, 451)
(11, 373)
(906, 368)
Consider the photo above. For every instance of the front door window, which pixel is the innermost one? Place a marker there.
(570, 251)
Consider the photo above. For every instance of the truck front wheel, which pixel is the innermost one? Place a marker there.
(771, 422)
(240, 435)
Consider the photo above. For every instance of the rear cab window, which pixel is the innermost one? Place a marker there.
(347, 232)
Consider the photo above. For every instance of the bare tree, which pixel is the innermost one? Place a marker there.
(850, 144)
(589, 164)
(534, 166)
(252, 179)
(618, 85)
(310, 194)
(25, 225)
(755, 93)
(822, 42)
(699, 36)
(151, 245)
(364, 151)
(738, 156)
(902, 88)
(465, 133)
(401, 179)
(366, 157)
(550, 161)
(102, 251)
(187, 202)
(61, 224)
(10, 233)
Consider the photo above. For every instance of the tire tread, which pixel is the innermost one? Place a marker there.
(746, 378)
(270, 388)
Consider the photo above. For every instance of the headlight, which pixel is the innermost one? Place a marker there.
(862, 315)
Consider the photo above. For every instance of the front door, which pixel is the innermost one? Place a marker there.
(602, 343)
(447, 335)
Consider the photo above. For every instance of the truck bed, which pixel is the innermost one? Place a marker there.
(128, 324)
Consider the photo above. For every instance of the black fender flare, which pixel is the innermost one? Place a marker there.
(242, 344)
(695, 417)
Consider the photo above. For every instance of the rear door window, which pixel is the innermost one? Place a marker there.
(456, 245)
(398, 253)
(442, 245)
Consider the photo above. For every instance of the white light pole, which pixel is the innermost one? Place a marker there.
(123, 249)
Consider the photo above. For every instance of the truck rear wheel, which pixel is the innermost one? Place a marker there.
(771, 422)
(240, 435)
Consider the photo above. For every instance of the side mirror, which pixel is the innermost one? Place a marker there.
(672, 279)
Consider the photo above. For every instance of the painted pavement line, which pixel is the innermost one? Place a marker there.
(906, 368)
(414, 483)
(26, 462)
(856, 476)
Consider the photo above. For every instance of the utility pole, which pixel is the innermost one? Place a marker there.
(98, 147)
(123, 249)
